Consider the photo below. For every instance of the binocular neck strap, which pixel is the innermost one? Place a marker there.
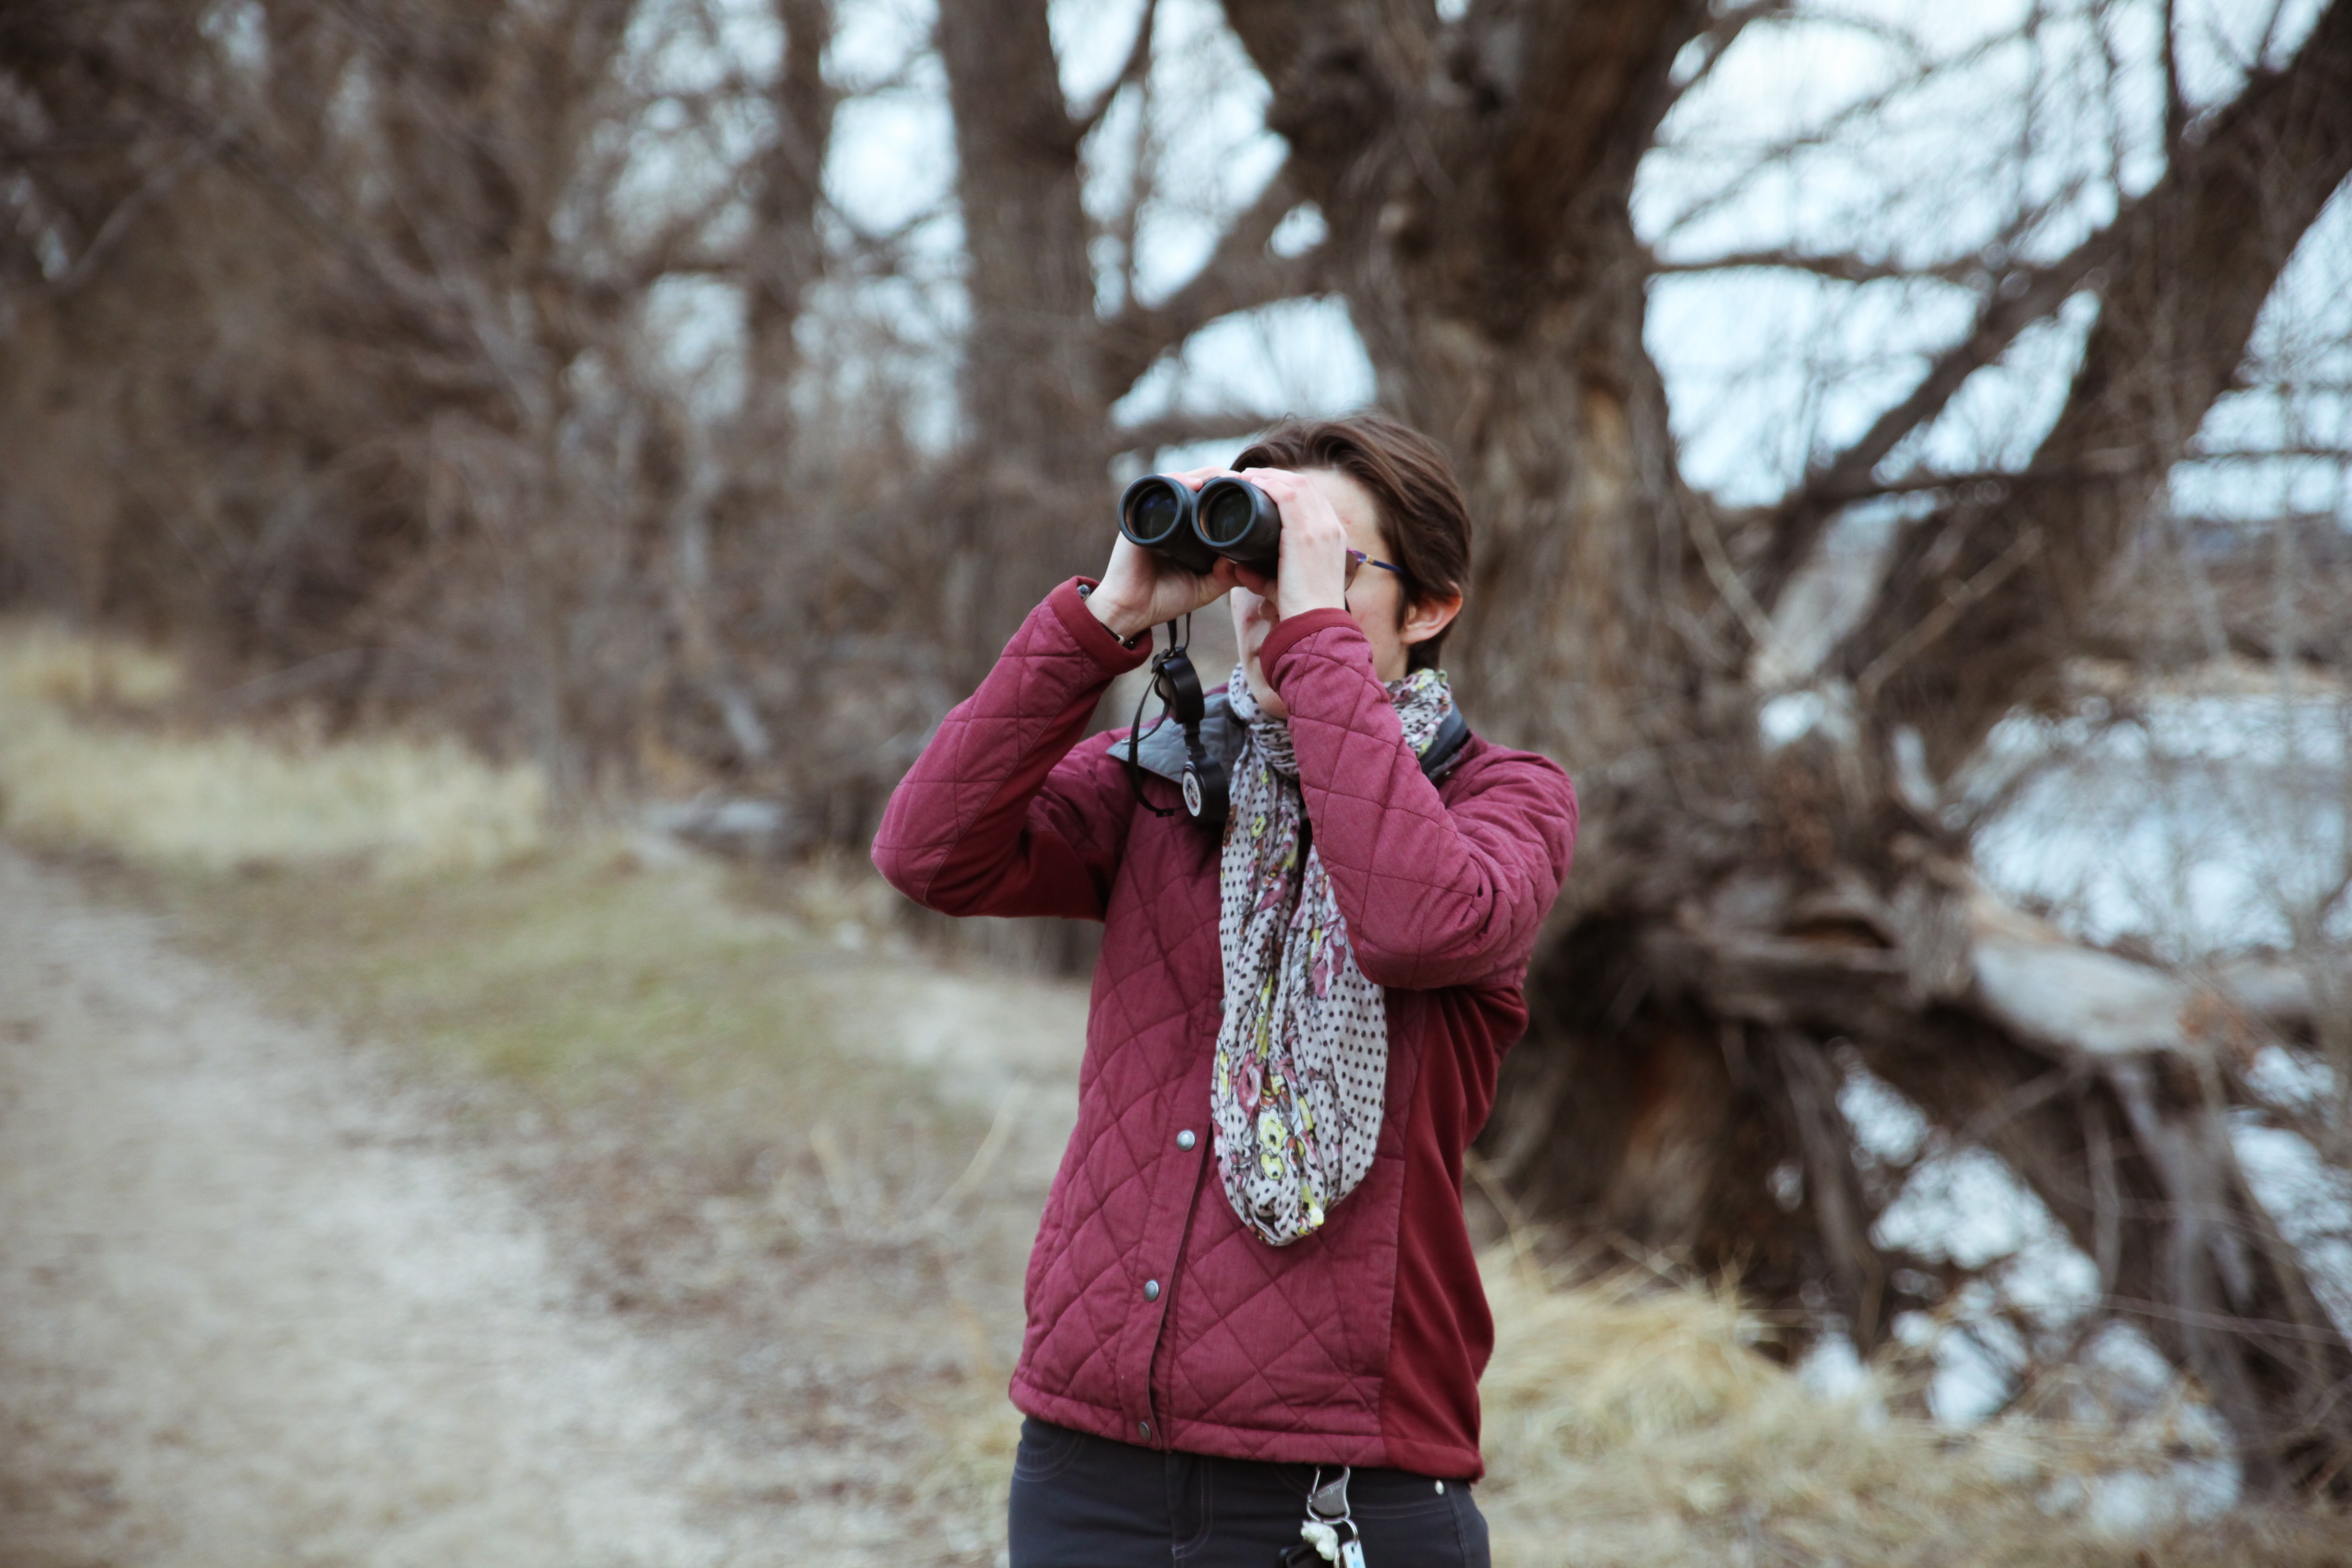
(1183, 700)
(1178, 642)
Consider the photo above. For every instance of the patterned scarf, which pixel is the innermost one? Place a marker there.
(1303, 1054)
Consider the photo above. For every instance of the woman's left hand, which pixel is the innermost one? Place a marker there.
(1314, 571)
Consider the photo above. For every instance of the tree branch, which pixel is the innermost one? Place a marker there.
(2191, 264)
(1138, 61)
(150, 191)
(1180, 429)
(2125, 1141)
(1275, 33)
(1827, 130)
(1240, 273)
(1716, 41)
(1841, 267)
(2018, 301)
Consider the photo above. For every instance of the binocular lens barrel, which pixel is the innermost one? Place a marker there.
(1156, 513)
(1232, 518)
(1240, 522)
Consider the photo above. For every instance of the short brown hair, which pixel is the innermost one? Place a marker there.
(1423, 518)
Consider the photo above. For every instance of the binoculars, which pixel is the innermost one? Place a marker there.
(1227, 517)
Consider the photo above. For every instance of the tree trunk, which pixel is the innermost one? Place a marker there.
(1480, 231)
(1740, 924)
(736, 513)
(1033, 476)
(787, 253)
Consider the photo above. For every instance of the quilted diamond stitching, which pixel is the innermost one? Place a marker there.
(1251, 1353)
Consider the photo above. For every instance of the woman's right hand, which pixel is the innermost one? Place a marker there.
(1140, 589)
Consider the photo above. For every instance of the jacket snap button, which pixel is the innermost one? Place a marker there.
(1185, 1140)
(1152, 1290)
(1144, 1428)
(1441, 1489)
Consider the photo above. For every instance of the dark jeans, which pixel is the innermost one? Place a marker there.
(1082, 1502)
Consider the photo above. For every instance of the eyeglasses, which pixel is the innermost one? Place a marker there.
(1357, 560)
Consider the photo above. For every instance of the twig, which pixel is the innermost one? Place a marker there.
(1138, 61)
(1177, 429)
(2252, 1328)
(1841, 267)
(1726, 578)
(976, 1170)
(2026, 1097)
(1947, 614)
(836, 1169)
(149, 192)
(1515, 1224)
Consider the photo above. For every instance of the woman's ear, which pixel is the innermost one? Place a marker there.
(1425, 618)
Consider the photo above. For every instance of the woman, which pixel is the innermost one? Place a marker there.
(1253, 1275)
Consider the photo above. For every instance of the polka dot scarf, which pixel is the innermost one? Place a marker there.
(1302, 1061)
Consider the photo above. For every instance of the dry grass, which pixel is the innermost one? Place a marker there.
(736, 1146)
(1630, 1421)
(88, 759)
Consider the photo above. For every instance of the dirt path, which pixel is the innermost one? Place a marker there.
(257, 1309)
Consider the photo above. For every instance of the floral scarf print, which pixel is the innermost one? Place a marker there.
(1302, 1063)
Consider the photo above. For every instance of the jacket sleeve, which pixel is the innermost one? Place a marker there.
(999, 815)
(1435, 895)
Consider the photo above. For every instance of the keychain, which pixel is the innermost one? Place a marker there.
(1327, 1515)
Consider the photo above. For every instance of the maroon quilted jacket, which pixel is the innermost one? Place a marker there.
(1154, 1316)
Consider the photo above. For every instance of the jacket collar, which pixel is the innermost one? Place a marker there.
(1161, 750)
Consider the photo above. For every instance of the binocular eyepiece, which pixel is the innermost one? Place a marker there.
(1227, 517)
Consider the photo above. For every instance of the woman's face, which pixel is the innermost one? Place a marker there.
(1376, 599)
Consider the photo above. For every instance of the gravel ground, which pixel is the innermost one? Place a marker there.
(259, 1305)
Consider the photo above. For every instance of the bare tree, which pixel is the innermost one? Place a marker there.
(357, 301)
(1042, 365)
(1744, 919)
(1734, 912)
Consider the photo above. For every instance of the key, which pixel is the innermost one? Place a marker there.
(1322, 1544)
